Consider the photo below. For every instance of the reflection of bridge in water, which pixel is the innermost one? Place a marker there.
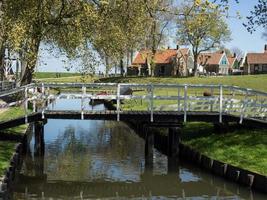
(35, 183)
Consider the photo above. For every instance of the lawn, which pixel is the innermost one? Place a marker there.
(42, 75)
(257, 82)
(7, 147)
(6, 151)
(241, 148)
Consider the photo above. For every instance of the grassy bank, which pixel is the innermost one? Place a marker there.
(257, 82)
(69, 79)
(41, 75)
(241, 148)
(6, 151)
(7, 147)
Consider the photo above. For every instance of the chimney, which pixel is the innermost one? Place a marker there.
(265, 48)
(177, 47)
(234, 55)
(169, 47)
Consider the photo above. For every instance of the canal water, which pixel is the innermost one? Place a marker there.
(87, 159)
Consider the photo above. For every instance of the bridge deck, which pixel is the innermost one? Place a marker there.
(168, 117)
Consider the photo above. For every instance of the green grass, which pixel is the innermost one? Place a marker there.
(70, 79)
(257, 82)
(7, 147)
(242, 148)
(41, 75)
(6, 151)
(11, 113)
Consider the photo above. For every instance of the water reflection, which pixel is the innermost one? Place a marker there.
(106, 160)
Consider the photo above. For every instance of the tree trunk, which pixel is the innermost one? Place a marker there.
(107, 66)
(154, 48)
(32, 57)
(195, 65)
(2, 60)
(121, 67)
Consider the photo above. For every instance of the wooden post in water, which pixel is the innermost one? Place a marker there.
(149, 145)
(173, 149)
(39, 148)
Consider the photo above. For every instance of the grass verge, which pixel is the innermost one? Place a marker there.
(6, 151)
(257, 82)
(7, 147)
(246, 149)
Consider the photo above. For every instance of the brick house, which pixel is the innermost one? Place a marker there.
(216, 62)
(256, 63)
(233, 64)
(168, 62)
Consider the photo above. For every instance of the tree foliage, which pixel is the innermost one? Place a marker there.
(202, 27)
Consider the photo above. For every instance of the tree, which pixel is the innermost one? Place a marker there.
(110, 26)
(238, 52)
(201, 26)
(160, 13)
(257, 17)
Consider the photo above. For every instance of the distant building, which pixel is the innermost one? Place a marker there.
(233, 64)
(216, 62)
(168, 62)
(256, 63)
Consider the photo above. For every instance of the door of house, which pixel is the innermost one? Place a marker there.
(162, 70)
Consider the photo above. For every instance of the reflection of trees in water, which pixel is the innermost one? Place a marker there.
(123, 142)
(75, 151)
(67, 154)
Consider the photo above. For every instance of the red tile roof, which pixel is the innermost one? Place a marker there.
(231, 61)
(257, 58)
(210, 58)
(161, 57)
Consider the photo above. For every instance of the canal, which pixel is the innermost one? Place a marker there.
(90, 159)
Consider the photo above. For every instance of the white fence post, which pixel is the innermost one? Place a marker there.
(43, 94)
(151, 102)
(118, 102)
(211, 102)
(185, 103)
(221, 103)
(243, 108)
(26, 104)
(82, 102)
(179, 100)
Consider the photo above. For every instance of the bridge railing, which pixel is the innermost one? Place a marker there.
(184, 98)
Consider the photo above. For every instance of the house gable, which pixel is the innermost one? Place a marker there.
(224, 60)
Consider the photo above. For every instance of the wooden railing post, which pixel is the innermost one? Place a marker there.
(211, 103)
(179, 100)
(118, 102)
(151, 102)
(43, 94)
(82, 102)
(221, 103)
(185, 103)
(243, 108)
(26, 104)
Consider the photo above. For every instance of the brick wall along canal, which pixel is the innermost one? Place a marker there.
(81, 159)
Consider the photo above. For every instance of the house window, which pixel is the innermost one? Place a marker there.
(224, 61)
(264, 68)
(162, 70)
(256, 68)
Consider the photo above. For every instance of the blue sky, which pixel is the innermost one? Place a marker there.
(240, 38)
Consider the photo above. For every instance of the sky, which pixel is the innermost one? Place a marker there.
(240, 38)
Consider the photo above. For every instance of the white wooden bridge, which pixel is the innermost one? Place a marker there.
(218, 101)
